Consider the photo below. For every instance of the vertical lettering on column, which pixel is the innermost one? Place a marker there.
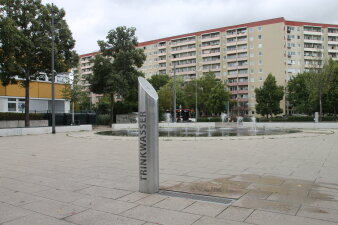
(143, 145)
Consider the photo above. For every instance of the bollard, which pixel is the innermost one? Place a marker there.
(148, 137)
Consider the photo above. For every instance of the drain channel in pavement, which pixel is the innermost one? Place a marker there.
(206, 198)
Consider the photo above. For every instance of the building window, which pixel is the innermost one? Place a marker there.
(16, 105)
(261, 71)
(251, 55)
(260, 53)
(260, 62)
(251, 71)
(259, 37)
(260, 45)
(251, 29)
(251, 38)
(259, 28)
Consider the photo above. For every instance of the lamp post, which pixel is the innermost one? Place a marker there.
(196, 110)
(175, 93)
(53, 77)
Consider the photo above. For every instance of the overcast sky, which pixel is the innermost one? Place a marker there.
(90, 20)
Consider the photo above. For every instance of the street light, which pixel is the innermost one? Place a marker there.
(53, 77)
(174, 92)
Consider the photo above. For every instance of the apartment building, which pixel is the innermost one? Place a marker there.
(243, 55)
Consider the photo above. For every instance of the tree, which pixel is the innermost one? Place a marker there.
(218, 97)
(299, 93)
(205, 86)
(159, 80)
(115, 71)
(73, 92)
(268, 97)
(166, 95)
(25, 38)
(332, 95)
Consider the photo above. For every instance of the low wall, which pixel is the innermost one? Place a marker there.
(163, 125)
(21, 123)
(42, 130)
(295, 125)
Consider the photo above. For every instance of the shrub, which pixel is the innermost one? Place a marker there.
(20, 116)
(103, 119)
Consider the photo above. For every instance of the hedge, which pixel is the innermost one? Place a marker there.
(20, 116)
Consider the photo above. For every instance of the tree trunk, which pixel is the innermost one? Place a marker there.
(73, 117)
(111, 109)
(320, 106)
(27, 101)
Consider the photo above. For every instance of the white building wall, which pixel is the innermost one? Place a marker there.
(3, 104)
(38, 105)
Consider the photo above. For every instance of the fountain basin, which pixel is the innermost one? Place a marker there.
(204, 132)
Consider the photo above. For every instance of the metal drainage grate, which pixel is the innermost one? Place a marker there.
(206, 198)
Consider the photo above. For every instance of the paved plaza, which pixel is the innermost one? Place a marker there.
(83, 179)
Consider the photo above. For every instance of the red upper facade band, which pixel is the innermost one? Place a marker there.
(222, 29)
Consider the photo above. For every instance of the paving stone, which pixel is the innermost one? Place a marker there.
(151, 199)
(92, 217)
(174, 203)
(206, 208)
(37, 219)
(104, 204)
(21, 186)
(235, 213)
(9, 212)
(214, 221)
(319, 213)
(53, 208)
(161, 216)
(269, 218)
(133, 197)
(17, 198)
(60, 195)
(273, 206)
(105, 192)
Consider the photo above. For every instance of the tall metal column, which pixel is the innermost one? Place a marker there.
(53, 76)
(148, 137)
(175, 93)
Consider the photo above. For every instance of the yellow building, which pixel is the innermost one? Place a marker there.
(12, 97)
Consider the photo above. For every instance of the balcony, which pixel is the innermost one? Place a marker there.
(185, 72)
(333, 42)
(241, 34)
(211, 70)
(183, 58)
(242, 99)
(313, 49)
(211, 54)
(229, 52)
(210, 39)
(242, 42)
(183, 50)
(242, 50)
(162, 46)
(161, 53)
(333, 50)
(183, 43)
(162, 61)
(233, 43)
(211, 61)
(231, 59)
(210, 46)
(313, 32)
(242, 91)
(242, 66)
(231, 35)
(313, 41)
(242, 83)
(185, 65)
(332, 34)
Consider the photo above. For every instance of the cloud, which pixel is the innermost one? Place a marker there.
(91, 20)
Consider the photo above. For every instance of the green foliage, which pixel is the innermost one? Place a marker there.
(20, 116)
(103, 119)
(159, 80)
(25, 38)
(115, 71)
(166, 95)
(299, 93)
(268, 97)
(218, 97)
(316, 90)
(103, 106)
(73, 90)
